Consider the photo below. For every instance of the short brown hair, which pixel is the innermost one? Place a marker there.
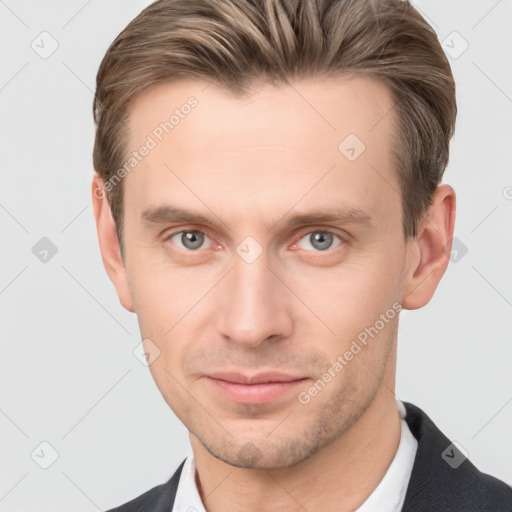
(241, 43)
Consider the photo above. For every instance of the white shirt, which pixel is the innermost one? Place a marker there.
(388, 496)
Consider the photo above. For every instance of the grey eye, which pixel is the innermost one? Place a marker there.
(319, 240)
(189, 239)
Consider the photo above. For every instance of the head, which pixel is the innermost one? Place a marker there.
(267, 189)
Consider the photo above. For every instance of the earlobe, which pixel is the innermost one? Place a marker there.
(109, 243)
(429, 253)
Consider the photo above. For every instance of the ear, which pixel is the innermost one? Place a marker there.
(109, 243)
(429, 252)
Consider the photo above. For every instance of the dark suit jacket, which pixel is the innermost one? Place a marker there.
(436, 485)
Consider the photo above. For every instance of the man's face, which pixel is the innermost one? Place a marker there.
(256, 288)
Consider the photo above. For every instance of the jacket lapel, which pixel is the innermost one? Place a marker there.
(436, 485)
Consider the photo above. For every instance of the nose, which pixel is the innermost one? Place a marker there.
(254, 305)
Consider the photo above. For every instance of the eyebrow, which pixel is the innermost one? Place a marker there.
(339, 214)
(343, 215)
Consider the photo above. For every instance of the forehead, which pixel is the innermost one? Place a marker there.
(329, 139)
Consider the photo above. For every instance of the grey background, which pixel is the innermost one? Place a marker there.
(68, 374)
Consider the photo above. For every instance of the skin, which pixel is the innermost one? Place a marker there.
(250, 165)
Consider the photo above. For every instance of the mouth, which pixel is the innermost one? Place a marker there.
(261, 388)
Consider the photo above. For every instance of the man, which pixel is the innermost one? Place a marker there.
(268, 198)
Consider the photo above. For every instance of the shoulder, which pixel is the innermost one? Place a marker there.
(443, 479)
(158, 499)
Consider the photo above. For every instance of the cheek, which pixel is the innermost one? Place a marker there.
(169, 382)
(351, 294)
(162, 292)
(168, 303)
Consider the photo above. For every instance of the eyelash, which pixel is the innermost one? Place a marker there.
(327, 251)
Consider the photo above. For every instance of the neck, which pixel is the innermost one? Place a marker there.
(346, 471)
